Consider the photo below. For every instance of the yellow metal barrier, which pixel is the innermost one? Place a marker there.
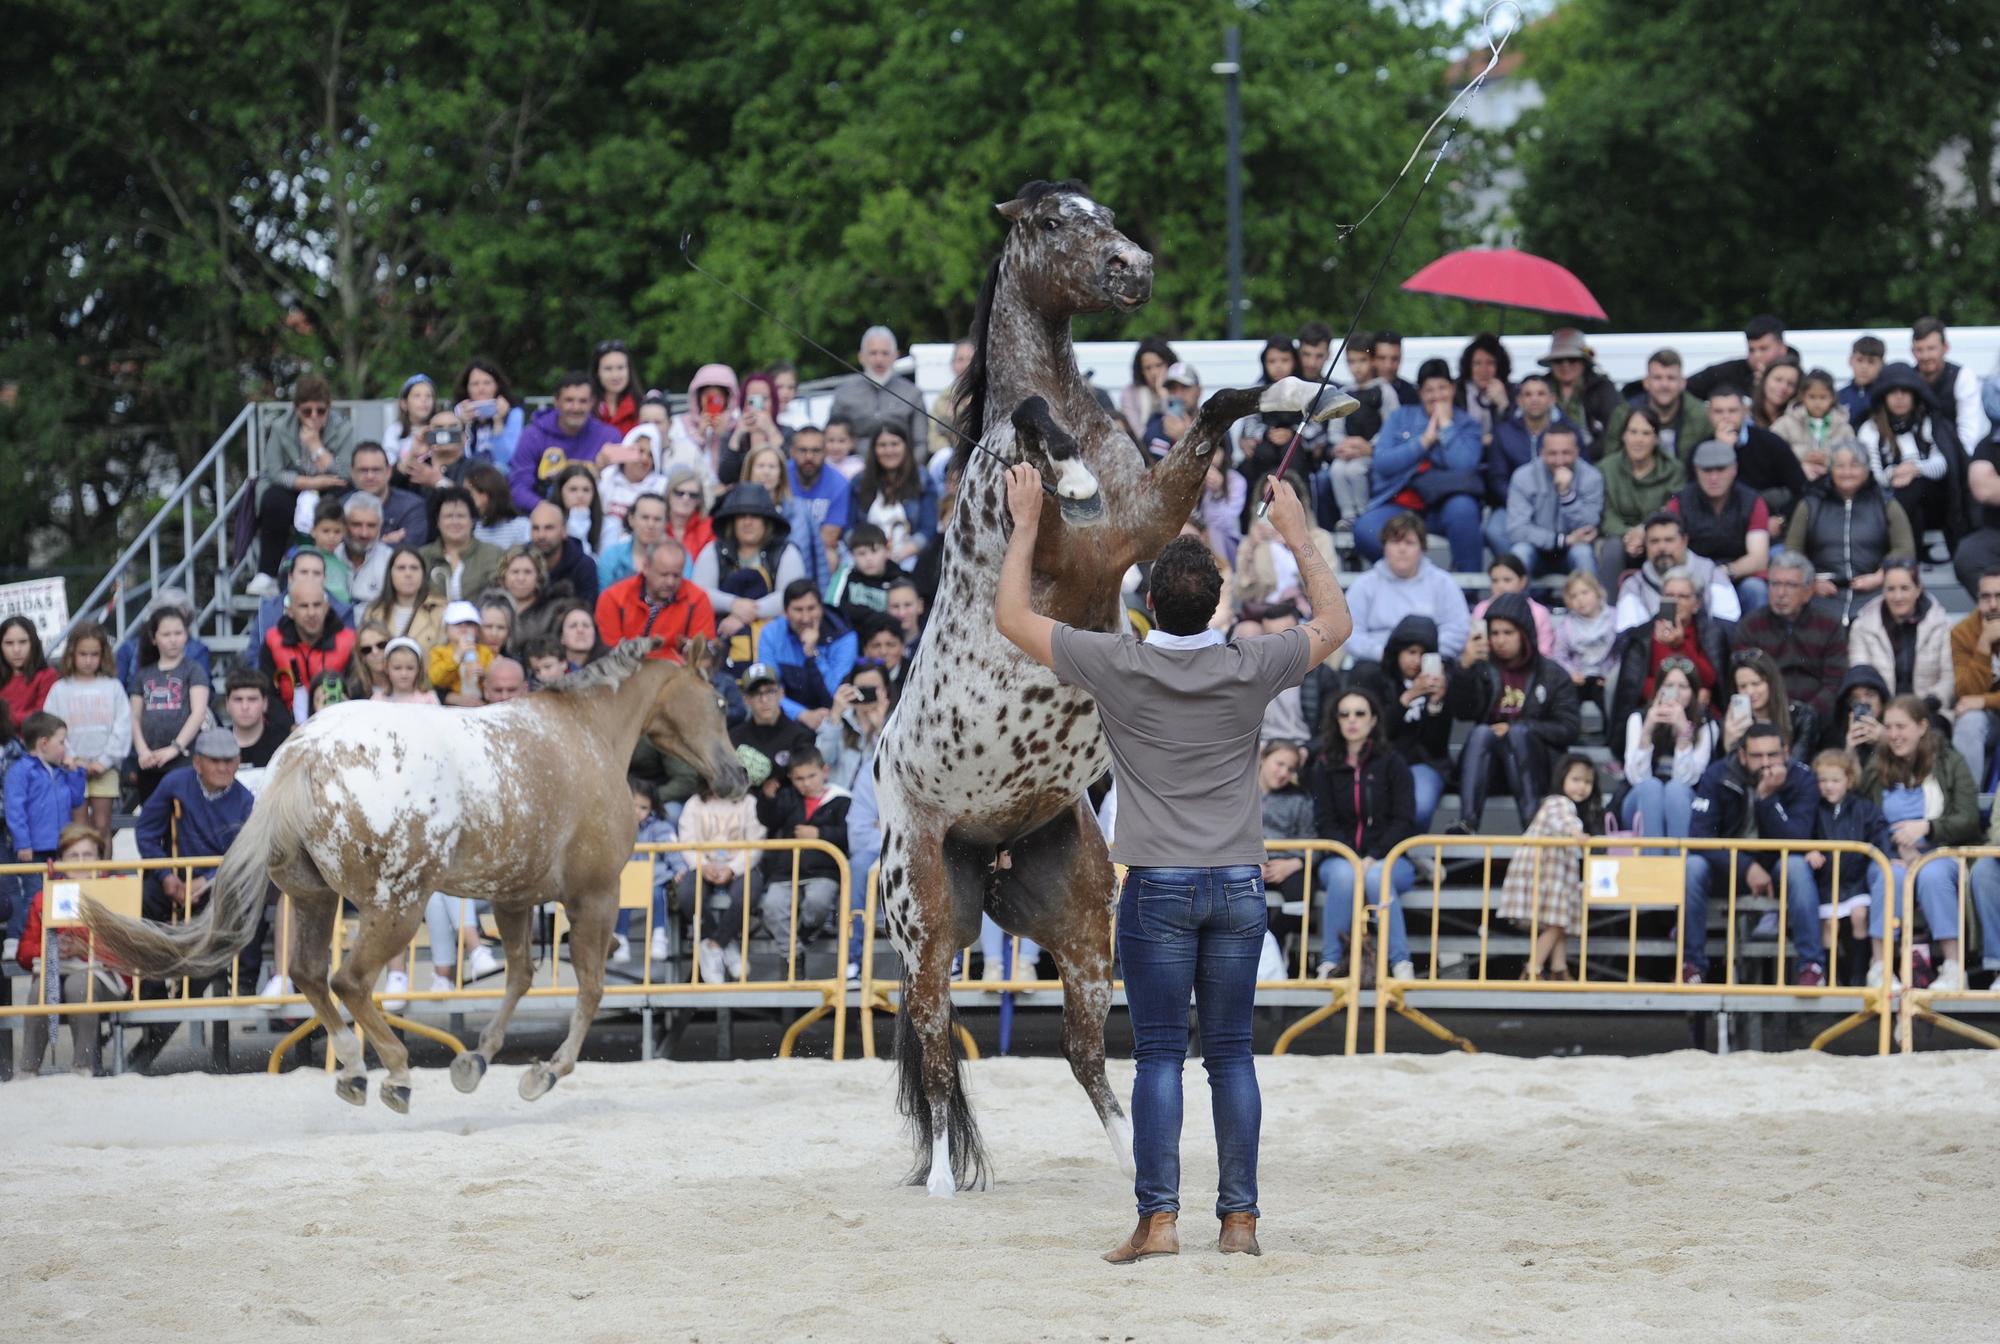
(1655, 882)
(1343, 992)
(1919, 1003)
(830, 991)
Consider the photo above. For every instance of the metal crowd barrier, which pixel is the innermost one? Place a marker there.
(1326, 998)
(1921, 1003)
(118, 884)
(1629, 874)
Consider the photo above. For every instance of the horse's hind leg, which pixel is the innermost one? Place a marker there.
(516, 937)
(921, 883)
(383, 933)
(590, 921)
(1059, 891)
(312, 953)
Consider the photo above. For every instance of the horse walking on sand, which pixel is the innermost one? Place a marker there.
(381, 805)
(987, 751)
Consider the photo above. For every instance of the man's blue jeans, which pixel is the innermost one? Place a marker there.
(1199, 931)
(1710, 876)
(1753, 594)
(1336, 875)
(1457, 517)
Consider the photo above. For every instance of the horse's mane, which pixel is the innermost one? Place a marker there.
(611, 670)
(969, 392)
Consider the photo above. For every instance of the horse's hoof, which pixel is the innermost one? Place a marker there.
(468, 1071)
(352, 1089)
(396, 1097)
(536, 1082)
(941, 1185)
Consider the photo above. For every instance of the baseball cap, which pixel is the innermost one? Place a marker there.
(461, 613)
(1183, 373)
(759, 674)
(218, 744)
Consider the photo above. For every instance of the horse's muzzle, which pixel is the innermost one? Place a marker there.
(1128, 278)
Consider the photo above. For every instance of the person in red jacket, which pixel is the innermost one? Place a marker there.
(25, 674)
(656, 601)
(306, 641)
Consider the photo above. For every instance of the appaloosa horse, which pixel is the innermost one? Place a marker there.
(986, 751)
(381, 805)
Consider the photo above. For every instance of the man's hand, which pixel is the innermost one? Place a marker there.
(198, 889)
(1910, 834)
(771, 785)
(1353, 446)
(1564, 477)
(1330, 624)
(170, 884)
(806, 832)
(718, 874)
(1583, 535)
(1815, 860)
(1280, 870)
(1969, 704)
(1024, 495)
(1757, 879)
(744, 609)
(1288, 516)
(1667, 632)
(1500, 728)
(813, 718)
(1989, 635)
(1771, 780)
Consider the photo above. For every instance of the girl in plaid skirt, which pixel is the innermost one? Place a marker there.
(1550, 896)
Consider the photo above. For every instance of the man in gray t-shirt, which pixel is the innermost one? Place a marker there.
(1181, 712)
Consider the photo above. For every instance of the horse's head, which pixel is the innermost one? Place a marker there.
(1066, 256)
(686, 723)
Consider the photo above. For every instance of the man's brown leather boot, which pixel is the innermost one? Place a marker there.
(1156, 1234)
(1239, 1235)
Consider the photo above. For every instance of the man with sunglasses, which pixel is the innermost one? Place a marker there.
(306, 450)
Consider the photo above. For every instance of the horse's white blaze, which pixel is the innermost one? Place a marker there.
(941, 1185)
(1082, 207)
(1074, 481)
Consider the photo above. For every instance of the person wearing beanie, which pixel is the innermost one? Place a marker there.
(1523, 708)
(1413, 708)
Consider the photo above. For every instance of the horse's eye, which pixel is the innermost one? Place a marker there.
(1051, 225)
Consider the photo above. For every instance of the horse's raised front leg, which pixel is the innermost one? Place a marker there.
(590, 921)
(517, 940)
(383, 933)
(917, 893)
(1060, 891)
(1053, 449)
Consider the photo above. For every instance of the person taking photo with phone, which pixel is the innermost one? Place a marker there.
(1181, 713)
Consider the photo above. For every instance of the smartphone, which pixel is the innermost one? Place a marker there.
(1174, 406)
(1739, 706)
(757, 401)
(714, 401)
(1670, 610)
(1431, 666)
(438, 438)
(866, 695)
(481, 410)
(1478, 629)
(1864, 711)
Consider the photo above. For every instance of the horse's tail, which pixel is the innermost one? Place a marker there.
(968, 1154)
(211, 940)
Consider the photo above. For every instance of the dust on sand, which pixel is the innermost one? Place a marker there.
(1677, 1197)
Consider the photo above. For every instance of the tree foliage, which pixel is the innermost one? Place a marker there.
(1702, 161)
(205, 201)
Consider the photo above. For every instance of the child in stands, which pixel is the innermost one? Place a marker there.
(860, 588)
(729, 878)
(1845, 813)
(458, 665)
(654, 829)
(1585, 630)
(99, 714)
(1544, 884)
(72, 969)
(1508, 575)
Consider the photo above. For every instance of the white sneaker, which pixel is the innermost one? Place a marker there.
(276, 987)
(621, 950)
(992, 974)
(397, 983)
(441, 984)
(712, 971)
(659, 947)
(1875, 979)
(1403, 970)
(481, 963)
(262, 585)
(732, 960)
(853, 972)
(1950, 979)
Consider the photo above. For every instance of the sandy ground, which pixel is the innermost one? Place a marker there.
(1677, 1197)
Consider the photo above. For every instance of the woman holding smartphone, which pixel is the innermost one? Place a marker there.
(485, 401)
(848, 736)
(701, 432)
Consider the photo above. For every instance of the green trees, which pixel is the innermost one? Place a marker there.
(1702, 161)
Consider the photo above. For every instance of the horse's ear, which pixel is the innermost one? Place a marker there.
(1012, 210)
(693, 649)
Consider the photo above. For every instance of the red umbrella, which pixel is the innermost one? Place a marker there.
(1509, 279)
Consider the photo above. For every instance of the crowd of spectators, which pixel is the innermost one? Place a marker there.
(1727, 567)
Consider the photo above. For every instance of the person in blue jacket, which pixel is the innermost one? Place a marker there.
(812, 649)
(1758, 792)
(41, 791)
(1432, 436)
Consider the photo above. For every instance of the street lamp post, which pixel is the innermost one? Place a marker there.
(1230, 68)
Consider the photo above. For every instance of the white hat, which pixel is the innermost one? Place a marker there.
(461, 613)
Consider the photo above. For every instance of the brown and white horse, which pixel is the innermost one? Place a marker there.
(986, 751)
(380, 805)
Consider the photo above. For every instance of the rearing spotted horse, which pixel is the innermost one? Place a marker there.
(987, 751)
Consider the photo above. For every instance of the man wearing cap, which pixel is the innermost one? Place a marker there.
(1584, 395)
(1181, 714)
(196, 811)
(1727, 522)
(768, 729)
(1180, 398)
(656, 601)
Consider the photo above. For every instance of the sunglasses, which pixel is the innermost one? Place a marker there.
(610, 348)
(687, 494)
(372, 648)
(1356, 714)
(314, 411)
